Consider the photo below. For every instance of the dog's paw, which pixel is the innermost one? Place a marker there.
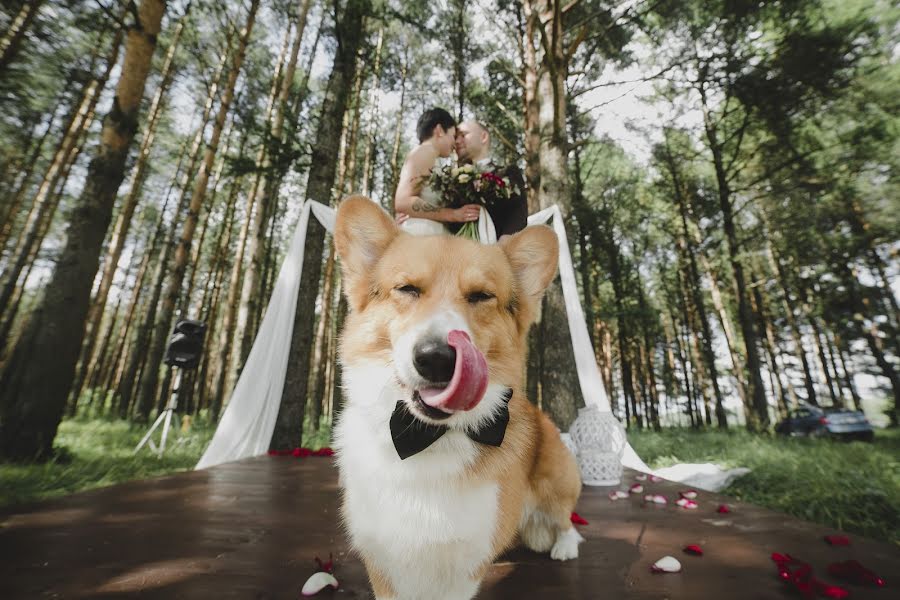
(566, 546)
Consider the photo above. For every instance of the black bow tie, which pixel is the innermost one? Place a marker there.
(411, 435)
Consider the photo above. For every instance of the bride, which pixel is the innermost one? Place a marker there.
(436, 130)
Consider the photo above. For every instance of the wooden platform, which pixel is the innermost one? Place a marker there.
(251, 530)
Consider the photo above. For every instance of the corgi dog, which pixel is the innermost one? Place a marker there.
(444, 464)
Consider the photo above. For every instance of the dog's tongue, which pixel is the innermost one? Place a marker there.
(470, 377)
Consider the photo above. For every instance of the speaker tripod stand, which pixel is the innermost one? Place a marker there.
(165, 417)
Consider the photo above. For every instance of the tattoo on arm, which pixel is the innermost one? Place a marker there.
(425, 207)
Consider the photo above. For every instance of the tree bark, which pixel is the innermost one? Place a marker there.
(560, 389)
(398, 128)
(126, 211)
(778, 270)
(65, 155)
(689, 251)
(198, 195)
(11, 42)
(374, 127)
(11, 207)
(262, 211)
(349, 35)
(758, 420)
(36, 382)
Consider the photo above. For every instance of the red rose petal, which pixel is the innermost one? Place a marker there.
(578, 519)
(693, 549)
(655, 478)
(854, 572)
(829, 591)
(636, 488)
(723, 509)
(686, 503)
(302, 452)
(837, 540)
(328, 566)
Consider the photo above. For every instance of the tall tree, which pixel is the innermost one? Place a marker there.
(349, 37)
(198, 195)
(36, 381)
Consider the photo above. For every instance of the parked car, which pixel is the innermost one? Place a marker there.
(837, 423)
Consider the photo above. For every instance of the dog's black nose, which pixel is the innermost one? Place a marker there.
(435, 360)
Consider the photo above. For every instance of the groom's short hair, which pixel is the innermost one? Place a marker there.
(430, 119)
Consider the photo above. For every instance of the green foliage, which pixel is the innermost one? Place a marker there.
(96, 453)
(850, 486)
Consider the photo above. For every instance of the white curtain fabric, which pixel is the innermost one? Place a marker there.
(248, 422)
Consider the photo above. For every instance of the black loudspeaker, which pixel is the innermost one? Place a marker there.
(185, 344)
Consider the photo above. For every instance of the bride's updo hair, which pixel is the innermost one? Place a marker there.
(430, 119)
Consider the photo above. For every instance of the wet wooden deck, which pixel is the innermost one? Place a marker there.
(251, 530)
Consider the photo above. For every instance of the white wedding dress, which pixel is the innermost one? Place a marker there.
(416, 226)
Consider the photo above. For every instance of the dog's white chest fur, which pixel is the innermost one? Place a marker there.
(427, 529)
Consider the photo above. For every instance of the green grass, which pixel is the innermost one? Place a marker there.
(850, 486)
(96, 453)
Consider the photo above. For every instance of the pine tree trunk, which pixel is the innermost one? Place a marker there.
(842, 352)
(778, 270)
(398, 128)
(870, 333)
(209, 308)
(11, 42)
(36, 235)
(323, 341)
(198, 195)
(374, 128)
(11, 208)
(134, 368)
(33, 389)
(689, 252)
(250, 293)
(775, 370)
(458, 52)
(65, 155)
(349, 33)
(197, 253)
(560, 389)
(126, 211)
(758, 420)
(532, 106)
(222, 380)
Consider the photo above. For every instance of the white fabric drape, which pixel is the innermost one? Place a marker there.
(246, 426)
(248, 422)
(592, 388)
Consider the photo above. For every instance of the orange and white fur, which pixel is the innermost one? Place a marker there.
(429, 527)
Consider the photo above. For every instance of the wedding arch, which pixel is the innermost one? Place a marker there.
(248, 422)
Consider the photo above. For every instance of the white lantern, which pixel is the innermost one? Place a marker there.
(600, 441)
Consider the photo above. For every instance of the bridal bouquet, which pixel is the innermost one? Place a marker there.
(468, 184)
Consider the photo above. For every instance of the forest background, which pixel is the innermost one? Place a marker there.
(726, 170)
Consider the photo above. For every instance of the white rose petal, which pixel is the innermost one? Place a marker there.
(464, 178)
(318, 582)
(667, 564)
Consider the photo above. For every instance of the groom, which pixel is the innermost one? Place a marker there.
(473, 146)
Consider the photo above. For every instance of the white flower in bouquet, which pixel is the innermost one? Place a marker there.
(464, 178)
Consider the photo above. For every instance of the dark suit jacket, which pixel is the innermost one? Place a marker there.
(509, 216)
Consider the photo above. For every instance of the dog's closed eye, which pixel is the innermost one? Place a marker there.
(477, 297)
(409, 290)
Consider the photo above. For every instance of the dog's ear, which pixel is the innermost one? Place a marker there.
(533, 254)
(362, 232)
